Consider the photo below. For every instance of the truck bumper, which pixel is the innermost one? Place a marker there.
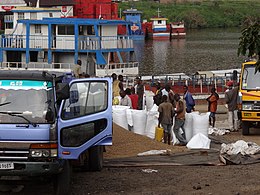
(250, 116)
(33, 168)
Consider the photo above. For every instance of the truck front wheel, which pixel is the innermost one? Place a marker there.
(245, 127)
(96, 158)
(62, 180)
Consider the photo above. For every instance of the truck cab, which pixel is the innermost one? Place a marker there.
(47, 123)
(249, 97)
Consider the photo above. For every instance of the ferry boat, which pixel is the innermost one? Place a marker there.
(44, 38)
(134, 17)
(199, 83)
(159, 29)
(178, 30)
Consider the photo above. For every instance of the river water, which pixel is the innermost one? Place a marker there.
(204, 49)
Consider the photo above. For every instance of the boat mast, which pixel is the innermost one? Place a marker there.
(158, 12)
(38, 4)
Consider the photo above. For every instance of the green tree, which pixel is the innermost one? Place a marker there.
(250, 43)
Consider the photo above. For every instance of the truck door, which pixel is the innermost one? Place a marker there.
(85, 119)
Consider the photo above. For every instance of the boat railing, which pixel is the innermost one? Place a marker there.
(88, 43)
(67, 42)
(13, 41)
(196, 83)
(36, 65)
(125, 42)
(119, 65)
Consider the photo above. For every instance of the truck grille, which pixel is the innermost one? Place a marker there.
(8, 154)
(256, 106)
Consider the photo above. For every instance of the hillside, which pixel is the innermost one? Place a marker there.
(200, 14)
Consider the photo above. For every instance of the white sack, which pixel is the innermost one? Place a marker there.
(155, 108)
(152, 152)
(129, 117)
(240, 146)
(199, 141)
(139, 121)
(149, 100)
(119, 116)
(188, 126)
(200, 123)
(151, 123)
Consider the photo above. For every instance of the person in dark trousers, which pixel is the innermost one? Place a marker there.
(212, 106)
(190, 103)
(140, 92)
(231, 98)
(179, 120)
(166, 112)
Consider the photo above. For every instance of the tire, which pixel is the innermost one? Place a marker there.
(245, 128)
(62, 180)
(85, 165)
(96, 158)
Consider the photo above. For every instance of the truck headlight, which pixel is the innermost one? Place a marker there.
(36, 153)
(40, 153)
(44, 150)
(247, 106)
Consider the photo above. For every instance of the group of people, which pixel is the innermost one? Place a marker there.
(132, 97)
(172, 106)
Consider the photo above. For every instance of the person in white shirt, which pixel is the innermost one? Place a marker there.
(169, 93)
(125, 99)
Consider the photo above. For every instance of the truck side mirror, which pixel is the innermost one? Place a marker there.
(63, 91)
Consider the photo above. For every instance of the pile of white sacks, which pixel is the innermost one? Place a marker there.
(144, 122)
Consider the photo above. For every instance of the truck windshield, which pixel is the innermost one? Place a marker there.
(250, 79)
(30, 98)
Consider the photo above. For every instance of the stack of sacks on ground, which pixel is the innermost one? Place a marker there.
(119, 115)
(144, 122)
(196, 130)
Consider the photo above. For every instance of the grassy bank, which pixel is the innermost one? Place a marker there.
(204, 14)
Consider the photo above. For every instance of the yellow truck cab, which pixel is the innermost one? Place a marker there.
(249, 97)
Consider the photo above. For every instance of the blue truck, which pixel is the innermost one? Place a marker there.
(49, 123)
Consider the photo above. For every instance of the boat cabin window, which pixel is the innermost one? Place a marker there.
(65, 29)
(37, 29)
(159, 22)
(90, 30)
(20, 16)
(33, 16)
(86, 30)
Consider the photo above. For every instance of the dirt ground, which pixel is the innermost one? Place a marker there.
(181, 171)
(156, 175)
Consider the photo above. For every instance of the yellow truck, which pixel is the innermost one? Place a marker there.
(249, 97)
